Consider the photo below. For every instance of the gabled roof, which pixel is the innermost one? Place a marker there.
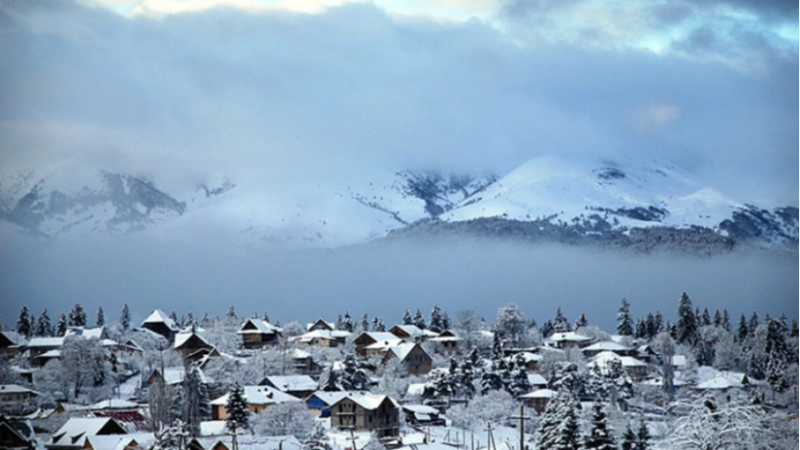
(175, 375)
(13, 338)
(46, 342)
(15, 389)
(114, 403)
(540, 393)
(402, 349)
(379, 336)
(88, 333)
(366, 400)
(158, 316)
(292, 383)
(536, 380)
(323, 322)
(113, 442)
(258, 326)
(259, 395)
(603, 358)
(569, 336)
(182, 338)
(321, 334)
(605, 346)
(77, 429)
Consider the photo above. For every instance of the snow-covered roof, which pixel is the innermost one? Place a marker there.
(540, 393)
(293, 383)
(330, 325)
(259, 395)
(380, 335)
(536, 380)
(569, 336)
(212, 428)
(386, 344)
(421, 409)
(605, 346)
(88, 333)
(175, 375)
(602, 359)
(415, 389)
(401, 351)
(526, 356)
(300, 354)
(181, 339)
(112, 442)
(366, 400)
(721, 382)
(114, 403)
(320, 334)
(15, 389)
(77, 429)
(679, 360)
(158, 316)
(46, 342)
(14, 337)
(329, 398)
(55, 353)
(261, 327)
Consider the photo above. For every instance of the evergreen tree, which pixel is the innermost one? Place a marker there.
(659, 322)
(24, 326)
(407, 320)
(365, 322)
(547, 329)
(125, 317)
(43, 325)
(581, 322)
(776, 355)
(77, 316)
(642, 436)
(419, 321)
(686, 329)
(101, 318)
(558, 429)
(436, 320)
(600, 435)
(629, 439)
(650, 325)
(741, 329)
(197, 407)
(560, 323)
(331, 383)
(238, 413)
(706, 317)
(793, 332)
(624, 321)
(61, 325)
(717, 319)
(726, 320)
(641, 329)
(445, 321)
(347, 322)
(317, 439)
(753, 324)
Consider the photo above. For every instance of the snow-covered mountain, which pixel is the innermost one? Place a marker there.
(557, 193)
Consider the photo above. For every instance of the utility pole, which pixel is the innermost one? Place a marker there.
(522, 420)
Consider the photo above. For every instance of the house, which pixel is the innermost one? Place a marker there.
(412, 333)
(258, 398)
(160, 323)
(300, 386)
(88, 333)
(322, 338)
(366, 412)
(635, 369)
(15, 394)
(530, 361)
(647, 354)
(538, 399)
(172, 376)
(40, 350)
(11, 342)
(537, 381)
(319, 403)
(192, 346)
(320, 324)
(411, 355)
(446, 343)
(258, 333)
(304, 364)
(75, 433)
(568, 340)
(607, 346)
(420, 415)
(368, 338)
(113, 442)
(16, 434)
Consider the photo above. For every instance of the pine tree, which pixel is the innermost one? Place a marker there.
(629, 439)
(43, 325)
(624, 321)
(24, 326)
(365, 322)
(238, 413)
(197, 400)
(407, 320)
(686, 329)
(717, 319)
(331, 383)
(317, 439)
(77, 317)
(547, 329)
(741, 329)
(641, 329)
(706, 317)
(558, 428)
(125, 317)
(419, 321)
(581, 322)
(650, 325)
(445, 321)
(101, 318)
(436, 320)
(560, 323)
(753, 323)
(726, 320)
(61, 325)
(600, 435)
(793, 332)
(347, 322)
(776, 355)
(642, 436)
(659, 322)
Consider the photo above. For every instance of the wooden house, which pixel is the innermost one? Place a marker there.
(258, 398)
(258, 333)
(160, 323)
(367, 412)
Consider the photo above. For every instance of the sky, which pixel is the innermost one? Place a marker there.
(181, 91)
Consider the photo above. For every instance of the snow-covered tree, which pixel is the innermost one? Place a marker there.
(558, 429)
(628, 439)
(742, 332)
(364, 322)
(407, 320)
(581, 322)
(43, 325)
(61, 325)
(125, 317)
(686, 328)
(511, 325)
(100, 319)
(560, 323)
(419, 320)
(83, 364)
(468, 327)
(317, 439)
(436, 320)
(284, 419)
(600, 435)
(347, 322)
(495, 406)
(77, 316)
(238, 418)
(24, 326)
(197, 401)
(624, 321)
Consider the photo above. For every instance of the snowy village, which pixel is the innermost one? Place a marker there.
(436, 381)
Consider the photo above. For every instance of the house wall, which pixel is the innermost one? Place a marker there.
(384, 420)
